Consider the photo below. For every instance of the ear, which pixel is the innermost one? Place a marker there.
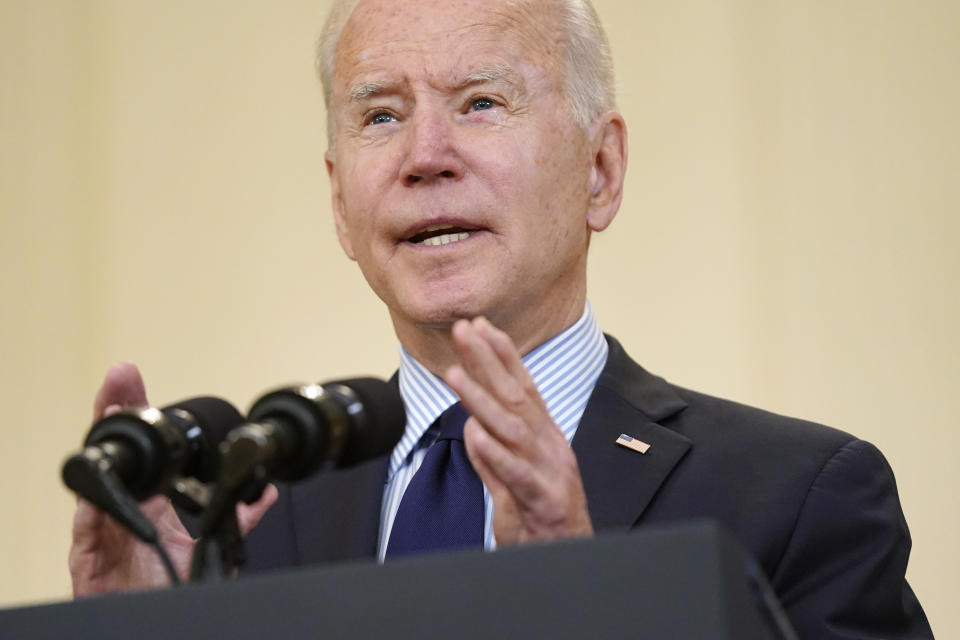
(336, 197)
(609, 166)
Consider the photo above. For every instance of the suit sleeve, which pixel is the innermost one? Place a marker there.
(843, 572)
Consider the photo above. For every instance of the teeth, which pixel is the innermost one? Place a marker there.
(446, 238)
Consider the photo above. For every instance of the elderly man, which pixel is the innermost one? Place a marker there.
(473, 151)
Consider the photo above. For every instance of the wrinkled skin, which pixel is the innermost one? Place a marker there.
(455, 115)
(446, 114)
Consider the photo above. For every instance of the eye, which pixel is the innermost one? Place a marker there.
(482, 104)
(380, 117)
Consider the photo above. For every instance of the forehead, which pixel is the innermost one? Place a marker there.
(440, 39)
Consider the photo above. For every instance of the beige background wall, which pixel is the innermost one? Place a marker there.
(789, 237)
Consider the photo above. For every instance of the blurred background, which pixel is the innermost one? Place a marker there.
(789, 236)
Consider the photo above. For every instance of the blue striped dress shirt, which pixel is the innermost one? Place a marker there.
(565, 370)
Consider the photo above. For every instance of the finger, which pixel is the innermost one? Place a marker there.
(483, 365)
(531, 404)
(86, 520)
(503, 424)
(503, 347)
(491, 361)
(529, 501)
(518, 393)
(159, 507)
(112, 410)
(490, 479)
(506, 351)
(122, 385)
(249, 515)
(507, 521)
(505, 469)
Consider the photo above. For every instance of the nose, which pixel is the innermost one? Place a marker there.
(431, 154)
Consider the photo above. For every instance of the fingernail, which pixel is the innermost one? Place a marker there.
(111, 410)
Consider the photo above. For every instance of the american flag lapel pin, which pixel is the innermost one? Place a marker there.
(632, 443)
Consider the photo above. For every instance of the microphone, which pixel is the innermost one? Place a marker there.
(147, 451)
(295, 431)
(137, 453)
(291, 433)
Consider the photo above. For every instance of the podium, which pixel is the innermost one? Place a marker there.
(681, 581)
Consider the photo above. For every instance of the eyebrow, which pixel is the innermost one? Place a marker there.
(494, 73)
(364, 90)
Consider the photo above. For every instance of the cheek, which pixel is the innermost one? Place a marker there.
(526, 168)
(355, 214)
(363, 193)
(562, 188)
(540, 179)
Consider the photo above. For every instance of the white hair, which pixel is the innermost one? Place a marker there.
(587, 60)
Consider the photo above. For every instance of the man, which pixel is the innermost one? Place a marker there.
(473, 151)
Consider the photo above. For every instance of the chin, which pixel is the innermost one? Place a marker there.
(443, 316)
(441, 311)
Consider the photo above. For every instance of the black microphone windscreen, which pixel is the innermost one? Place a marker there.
(215, 418)
(386, 419)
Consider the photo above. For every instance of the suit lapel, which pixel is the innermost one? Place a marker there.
(619, 482)
(337, 514)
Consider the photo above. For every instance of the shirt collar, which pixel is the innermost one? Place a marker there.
(565, 369)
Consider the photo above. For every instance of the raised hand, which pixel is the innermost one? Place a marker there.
(513, 443)
(104, 556)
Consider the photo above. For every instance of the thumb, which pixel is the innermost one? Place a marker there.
(122, 385)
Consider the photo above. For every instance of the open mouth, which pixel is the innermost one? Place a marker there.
(440, 234)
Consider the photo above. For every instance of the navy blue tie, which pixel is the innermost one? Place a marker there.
(442, 507)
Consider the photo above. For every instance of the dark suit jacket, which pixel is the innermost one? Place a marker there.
(817, 507)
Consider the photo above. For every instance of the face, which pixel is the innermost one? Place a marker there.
(460, 183)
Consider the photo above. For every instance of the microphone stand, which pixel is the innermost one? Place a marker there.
(219, 551)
